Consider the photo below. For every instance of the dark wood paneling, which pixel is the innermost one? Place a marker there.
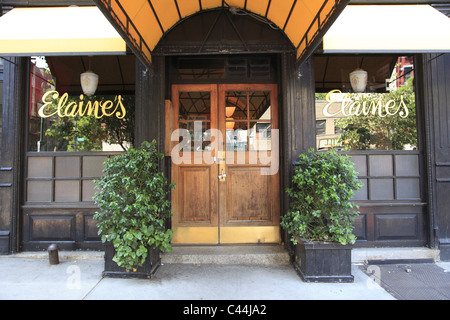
(58, 204)
(392, 205)
(5, 205)
(407, 189)
(67, 167)
(297, 120)
(436, 85)
(52, 227)
(394, 226)
(149, 107)
(39, 191)
(67, 191)
(71, 228)
(87, 190)
(389, 175)
(360, 227)
(13, 113)
(381, 189)
(40, 167)
(90, 233)
(63, 177)
(92, 165)
(385, 224)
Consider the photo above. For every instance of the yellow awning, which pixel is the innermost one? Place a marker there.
(145, 22)
(388, 29)
(58, 31)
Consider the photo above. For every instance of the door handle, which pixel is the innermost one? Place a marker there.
(222, 176)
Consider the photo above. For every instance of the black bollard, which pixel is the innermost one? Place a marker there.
(53, 254)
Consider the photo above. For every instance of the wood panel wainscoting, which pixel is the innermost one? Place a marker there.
(58, 205)
(392, 206)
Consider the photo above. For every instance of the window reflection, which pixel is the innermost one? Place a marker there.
(381, 118)
(68, 129)
(259, 105)
(248, 120)
(260, 138)
(197, 136)
(237, 137)
(195, 117)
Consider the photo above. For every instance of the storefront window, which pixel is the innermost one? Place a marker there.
(381, 116)
(63, 118)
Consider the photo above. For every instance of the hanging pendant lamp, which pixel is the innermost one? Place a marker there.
(89, 81)
(358, 80)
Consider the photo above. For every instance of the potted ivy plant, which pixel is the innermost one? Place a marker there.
(321, 215)
(132, 208)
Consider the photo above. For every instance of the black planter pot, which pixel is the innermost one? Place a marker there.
(146, 271)
(323, 261)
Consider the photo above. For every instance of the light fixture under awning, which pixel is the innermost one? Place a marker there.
(388, 29)
(58, 31)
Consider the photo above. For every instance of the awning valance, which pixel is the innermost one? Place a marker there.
(388, 29)
(58, 31)
(144, 22)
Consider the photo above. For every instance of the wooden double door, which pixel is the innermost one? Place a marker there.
(224, 148)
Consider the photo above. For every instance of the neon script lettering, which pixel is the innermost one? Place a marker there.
(356, 108)
(99, 109)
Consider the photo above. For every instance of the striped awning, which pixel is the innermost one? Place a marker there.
(143, 23)
(58, 31)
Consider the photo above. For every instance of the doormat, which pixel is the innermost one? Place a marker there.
(421, 281)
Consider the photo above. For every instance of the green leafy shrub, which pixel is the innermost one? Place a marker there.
(320, 198)
(132, 204)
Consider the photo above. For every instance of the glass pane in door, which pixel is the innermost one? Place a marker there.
(259, 106)
(260, 136)
(195, 118)
(237, 136)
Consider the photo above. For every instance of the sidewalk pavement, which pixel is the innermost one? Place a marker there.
(78, 276)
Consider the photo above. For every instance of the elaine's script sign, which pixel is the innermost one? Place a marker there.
(54, 104)
(374, 106)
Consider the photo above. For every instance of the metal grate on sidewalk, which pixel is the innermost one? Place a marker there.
(414, 281)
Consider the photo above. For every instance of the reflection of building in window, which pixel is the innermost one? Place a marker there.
(337, 128)
(368, 121)
(41, 81)
(327, 133)
(382, 118)
(320, 127)
(403, 71)
(70, 126)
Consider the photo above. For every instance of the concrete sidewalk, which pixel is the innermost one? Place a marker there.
(79, 277)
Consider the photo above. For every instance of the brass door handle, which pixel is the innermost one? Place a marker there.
(222, 176)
